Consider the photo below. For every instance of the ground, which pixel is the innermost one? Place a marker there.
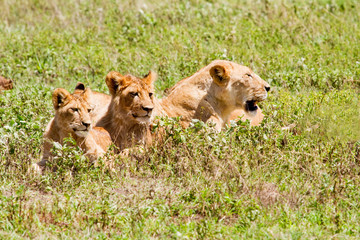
(294, 177)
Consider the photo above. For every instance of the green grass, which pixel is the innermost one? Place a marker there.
(262, 182)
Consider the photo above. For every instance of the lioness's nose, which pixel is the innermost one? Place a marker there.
(86, 124)
(267, 88)
(148, 108)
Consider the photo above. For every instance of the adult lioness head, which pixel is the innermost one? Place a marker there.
(239, 86)
(72, 111)
(214, 92)
(132, 96)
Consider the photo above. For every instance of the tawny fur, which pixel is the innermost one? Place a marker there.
(99, 102)
(129, 114)
(255, 120)
(213, 93)
(217, 93)
(72, 119)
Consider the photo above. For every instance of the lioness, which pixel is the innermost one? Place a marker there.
(130, 111)
(5, 84)
(72, 118)
(213, 93)
(99, 102)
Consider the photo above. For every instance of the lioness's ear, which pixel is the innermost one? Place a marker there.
(220, 75)
(113, 81)
(80, 86)
(150, 78)
(60, 97)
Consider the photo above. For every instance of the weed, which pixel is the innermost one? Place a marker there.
(295, 176)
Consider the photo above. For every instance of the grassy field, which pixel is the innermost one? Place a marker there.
(266, 182)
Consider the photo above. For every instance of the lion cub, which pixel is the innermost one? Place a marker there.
(130, 111)
(72, 118)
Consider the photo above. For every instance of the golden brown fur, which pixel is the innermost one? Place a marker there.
(213, 93)
(130, 111)
(5, 84)
(99, 102)
(72, 119)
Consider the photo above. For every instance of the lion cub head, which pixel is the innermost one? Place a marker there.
(72, 111)
(132, 97)
(239, 86)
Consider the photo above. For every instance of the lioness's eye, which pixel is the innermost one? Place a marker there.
(248, 74)
(150, 94)
(75, 109)
(89, 109)
(134, 94)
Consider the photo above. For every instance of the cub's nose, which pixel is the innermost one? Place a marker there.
(148, 108)
(267, 88)
(86, 124)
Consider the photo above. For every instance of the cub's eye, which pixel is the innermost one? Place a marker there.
(151, 94)
(248, 75)
(89, 110)
(75, 109)
(134, 94)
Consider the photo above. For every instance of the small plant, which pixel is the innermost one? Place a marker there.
(296, 176)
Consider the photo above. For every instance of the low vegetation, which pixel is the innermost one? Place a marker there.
(294, 177)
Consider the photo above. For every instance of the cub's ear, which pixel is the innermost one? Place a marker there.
(80, 86)
(150, 78)
(114, 81)
(60, 97)
(220, 75)
(82, 91)
(86, 94)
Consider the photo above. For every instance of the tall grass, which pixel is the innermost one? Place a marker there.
(296, 176)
